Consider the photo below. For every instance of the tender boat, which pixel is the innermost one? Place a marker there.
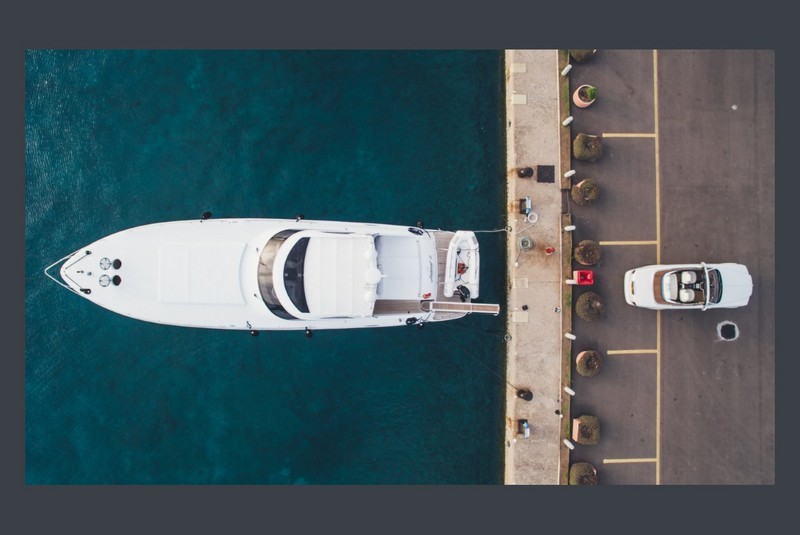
(279, 274)
(462, 265)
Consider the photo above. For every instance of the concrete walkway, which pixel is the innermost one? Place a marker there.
(535, 348)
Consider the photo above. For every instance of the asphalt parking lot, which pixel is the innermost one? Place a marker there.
(687, 176)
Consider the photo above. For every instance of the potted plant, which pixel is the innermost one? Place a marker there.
(585, 192)
(588, 363)
(586, 429)
(581, 55)
(589, 306)
(587, 147)
(584, 96)
(587, 253)
(582, 474)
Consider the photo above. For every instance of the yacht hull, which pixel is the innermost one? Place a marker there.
(212, 274)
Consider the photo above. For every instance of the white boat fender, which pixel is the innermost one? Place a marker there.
(373, 276)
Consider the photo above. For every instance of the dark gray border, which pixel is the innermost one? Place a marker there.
(368, 24)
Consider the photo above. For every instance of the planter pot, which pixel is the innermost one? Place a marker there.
(587, 253)
(586, 147)
(588, 363)
(585, 192)
(581, 55)
(586, 430)
(589, 306)
(582, 474)
(580, 102)
(576, 429)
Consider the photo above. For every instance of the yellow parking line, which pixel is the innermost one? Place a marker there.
(658, 397)
(658, 167)
(620, 461)
(618, 134)
(641, 242)
(658, 261)
(631, 351)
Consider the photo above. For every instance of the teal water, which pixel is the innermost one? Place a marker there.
(116, 139)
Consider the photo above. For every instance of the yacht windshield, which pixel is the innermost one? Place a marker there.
(266, 264)
(293, 275)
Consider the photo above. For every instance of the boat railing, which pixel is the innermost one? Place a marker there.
(49, 276)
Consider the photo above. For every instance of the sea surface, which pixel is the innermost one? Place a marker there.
(116, 139)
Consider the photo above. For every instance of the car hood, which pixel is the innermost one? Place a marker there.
(737, 284)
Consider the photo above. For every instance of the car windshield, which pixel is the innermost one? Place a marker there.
(714, 286)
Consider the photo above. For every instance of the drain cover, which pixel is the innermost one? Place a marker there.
(728, 330)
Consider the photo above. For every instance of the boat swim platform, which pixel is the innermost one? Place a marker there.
(449, 306)
(439, 308)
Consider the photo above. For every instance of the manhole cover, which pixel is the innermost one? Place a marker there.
(546, 173)
(728, 330)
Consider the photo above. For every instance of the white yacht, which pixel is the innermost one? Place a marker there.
(279, 274)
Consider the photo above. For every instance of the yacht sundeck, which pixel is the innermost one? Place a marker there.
(278, 274)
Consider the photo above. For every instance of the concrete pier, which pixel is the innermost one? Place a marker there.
(536, 273)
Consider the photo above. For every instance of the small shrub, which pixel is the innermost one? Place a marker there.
(589, 306)
(587, 253)
(587, 147)
(581, 55)
(585, 192)
(587, 93)
(588, 363)
(582, 474)
(586, 429)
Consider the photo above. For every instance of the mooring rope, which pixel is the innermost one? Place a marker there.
(506, 229)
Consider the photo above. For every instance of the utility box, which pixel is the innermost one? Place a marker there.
(583, 277)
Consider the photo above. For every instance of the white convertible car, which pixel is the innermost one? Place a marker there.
(686, 286)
